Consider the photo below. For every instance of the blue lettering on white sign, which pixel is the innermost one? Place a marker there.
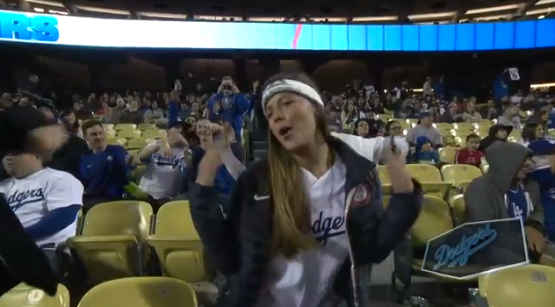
(457, 256)
(24, 27)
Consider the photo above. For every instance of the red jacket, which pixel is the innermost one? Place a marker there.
(465, 156)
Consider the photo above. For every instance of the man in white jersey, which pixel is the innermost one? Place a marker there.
(45, 201)
(166, 160)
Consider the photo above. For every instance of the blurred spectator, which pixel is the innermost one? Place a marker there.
(165, 160)
(510, 116)
(530, 133)
(132, 115)
(470, 154)
(471, 115)
(71, 123)
(105, 170)
(228, 105)
(153, 113)
(333, 119)
(424, 152)
(116, 113)
(427, 88)
(451, 115)
(425, 128)
(393, 128)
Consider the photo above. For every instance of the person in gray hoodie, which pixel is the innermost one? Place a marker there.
(505, 192)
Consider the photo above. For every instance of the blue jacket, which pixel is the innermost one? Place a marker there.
(420, 155)
(231, 113)
(105, 174)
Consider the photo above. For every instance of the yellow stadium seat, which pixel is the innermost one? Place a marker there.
(463, 128)
(388, 112)
(512, 139)
(443, 126)
(141, 292)
(384, 117)
(137, 143)
(405, 125)
(457, 203)
(447, 154)
(24, 295)
(178, 245)
(430, 178)
(111, 243)
(457, 173)
(449, 140)
(383, 174)
(434, 220)
(120, 127)
(531, 286)
(129, 134)
(551, 133)
(110, 132)
(116, 141)
(108, 126)
(155, 133)
(411, 121)
(146, 126)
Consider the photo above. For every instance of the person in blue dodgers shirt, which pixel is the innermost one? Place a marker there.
(229, 105)
(46, 201)
(505, 192)
(307, 222)
(105, 170)
(165, 159)
(543, 173)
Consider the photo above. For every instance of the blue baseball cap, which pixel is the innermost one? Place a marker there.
(542, 147)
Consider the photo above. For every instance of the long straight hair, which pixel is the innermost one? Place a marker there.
(291, 221)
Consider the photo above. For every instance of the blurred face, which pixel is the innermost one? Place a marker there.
(227, 85)
(426, 121)
(453, 108)
(539, 131)
(133, 105)
(291, 120)
(472, 144)
(395, 129)
(545, 117)
(95, 136)
(46, 140)
(70, 118)
(513, 110)
(154, 105)
(501, 134)
(362, 128)
(190, 120)
(202, 128)
(426, 147)
(195, 107)
(469, 107)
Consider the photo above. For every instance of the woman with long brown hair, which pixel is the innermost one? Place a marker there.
(306, 223)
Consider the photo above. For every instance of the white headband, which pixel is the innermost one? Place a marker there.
(293, 86)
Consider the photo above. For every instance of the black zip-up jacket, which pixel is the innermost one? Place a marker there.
(239, 245)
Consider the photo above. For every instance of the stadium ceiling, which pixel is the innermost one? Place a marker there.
(379, 11)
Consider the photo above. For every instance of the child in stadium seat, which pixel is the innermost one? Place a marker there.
(285, 235)
(105, 170)
(46, 201)
(424, 152)
(470, 154)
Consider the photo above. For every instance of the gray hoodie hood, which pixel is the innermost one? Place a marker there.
(505, 160)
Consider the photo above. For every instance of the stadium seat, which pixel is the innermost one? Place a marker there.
(24, 295)
(110, 132)
(108, 126)
(383, 174)
(146, 126)
(457, 173)
(137, 143)
(447, 154)
(463, 128)
(457, 203)
(116, 141)
(177, 244)
(155, 134)
(141, 292)
(120, 127)
(430, 178)
(449, 140)
(129, 134)
(443, 126)
(531, 286)
(111, 243)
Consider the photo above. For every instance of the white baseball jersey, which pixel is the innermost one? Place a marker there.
(36, 195)
(162, 178)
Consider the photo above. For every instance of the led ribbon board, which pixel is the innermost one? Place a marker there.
(96, 32)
